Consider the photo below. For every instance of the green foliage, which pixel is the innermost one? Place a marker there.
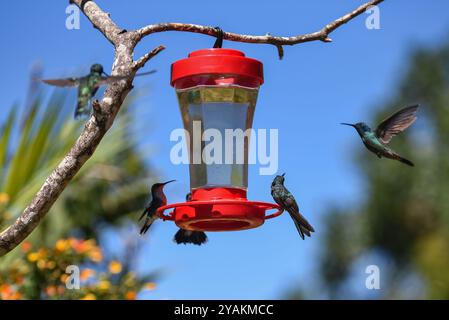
(48, 273)
(109, 186)
(109, 189)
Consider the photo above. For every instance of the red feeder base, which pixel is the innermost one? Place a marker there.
(219, 209)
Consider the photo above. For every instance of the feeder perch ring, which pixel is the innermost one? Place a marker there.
(219, 214)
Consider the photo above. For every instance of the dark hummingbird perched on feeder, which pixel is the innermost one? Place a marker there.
(88, 86)
(189, 236)
(285, 199)
(158, 200)
(376, 141)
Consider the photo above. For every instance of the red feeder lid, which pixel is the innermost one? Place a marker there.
(218, 62)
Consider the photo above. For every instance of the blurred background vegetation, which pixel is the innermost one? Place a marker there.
(106, 194)
(403, 217)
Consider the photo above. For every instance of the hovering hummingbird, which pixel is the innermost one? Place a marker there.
(88, 86)
(158, 200)
(376, 141)
(189, 236)
(285, 199)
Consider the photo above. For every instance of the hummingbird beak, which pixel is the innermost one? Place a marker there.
(105, 74)
(283, 174)
(348, 124)
(168, 182)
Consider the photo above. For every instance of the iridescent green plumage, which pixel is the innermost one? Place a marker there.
(376, 140)
(88, 87)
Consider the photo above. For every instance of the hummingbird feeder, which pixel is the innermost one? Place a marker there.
(217, 89)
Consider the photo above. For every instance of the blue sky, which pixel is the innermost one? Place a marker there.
(305, 96)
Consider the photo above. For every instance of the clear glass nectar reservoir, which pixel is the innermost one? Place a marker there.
(212, 112)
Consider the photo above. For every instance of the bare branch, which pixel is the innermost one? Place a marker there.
(106, 109)
(322, 34)
(100, 19)
(145, 58)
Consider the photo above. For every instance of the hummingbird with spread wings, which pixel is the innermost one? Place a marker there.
(88, 86)
(377, 140)
(287, 202)
(189, 236)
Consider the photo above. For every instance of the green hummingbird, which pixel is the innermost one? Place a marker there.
(88, 86)
(287, 202)
(376, 141)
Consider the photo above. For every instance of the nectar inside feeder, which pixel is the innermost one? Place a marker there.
(217, 89)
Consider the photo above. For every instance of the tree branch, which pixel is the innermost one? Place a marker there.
(99, 19)
(322, 34)
(106, 109)
(144, 59)
(96, 127)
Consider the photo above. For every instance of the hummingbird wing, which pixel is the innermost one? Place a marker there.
(186, 236)
(67, 82)
(145, 73)
(112, 79)
(396, 123)
(150, 216)
(146, 211)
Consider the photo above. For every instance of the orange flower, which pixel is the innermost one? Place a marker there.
(26, 246)
(86, 274)
(130, 295)
(33, 256)
(104, 285)
(90, 244)
(62, 245)
(95, 255)
(50, 290)
(89, 296)
(15, 296)
(41, 264)
(76, 245)
(42, 252)
(82, 246)
(149, 286)
(7, 293)
(115, 267)
(61, 290)
(72, 241)
(64, 277)
(4, 198)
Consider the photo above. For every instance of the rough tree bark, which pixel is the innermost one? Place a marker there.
(106, 109)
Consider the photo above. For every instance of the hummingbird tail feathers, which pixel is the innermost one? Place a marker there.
(187, 236)
(403, 160)
(143, 214)
(146, 225)
(83, 108)
(302, 225)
